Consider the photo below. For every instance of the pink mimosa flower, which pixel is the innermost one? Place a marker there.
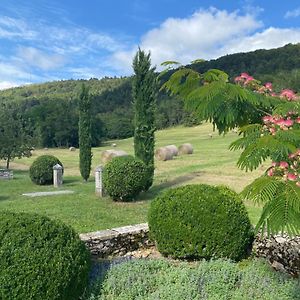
(297, 120)
(267, 119)
(269, 86)
(289, 94)
(245, 75)
(274, 95)
(288, 123)
(270, 172)
(283, 164)
(291, 176)
(238, 78)
(249, 79)
(280, 122)
(272, 130)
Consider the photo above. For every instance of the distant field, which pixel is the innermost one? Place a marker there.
(211, 163)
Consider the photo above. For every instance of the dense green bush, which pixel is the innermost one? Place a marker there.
(124, 178)
(200, 221)
(40, 259)
(211, 280)
(41, 170)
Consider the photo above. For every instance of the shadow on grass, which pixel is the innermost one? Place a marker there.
(157, 189)
(3, 198)
(71, 181)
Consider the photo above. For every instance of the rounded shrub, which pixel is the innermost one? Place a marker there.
(41, 170)
(124, 178)
(40, 259)
(200, 221)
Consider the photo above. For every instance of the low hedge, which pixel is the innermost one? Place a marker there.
(41, 170)
(40, 259)
(200, 221)
(124, 178)
(213, 280)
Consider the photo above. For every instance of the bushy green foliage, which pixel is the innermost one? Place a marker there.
(212, 280)
(200, 221)
(41, 170)
(144, 91)
(84, 133)
(15, 137)
(124, 178)
(40, 259)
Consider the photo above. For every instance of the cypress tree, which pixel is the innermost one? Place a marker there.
(144, 91)
(85, 147)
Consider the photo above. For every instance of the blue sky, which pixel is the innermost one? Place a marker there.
(43, 40)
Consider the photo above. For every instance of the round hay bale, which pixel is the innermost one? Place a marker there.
(173, 149)
(163, 154)
(185, 149)
(72, 149)
(114, 145)
(115, 153)
(107, 155)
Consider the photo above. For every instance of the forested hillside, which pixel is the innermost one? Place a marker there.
(51, 112)
(280, 65)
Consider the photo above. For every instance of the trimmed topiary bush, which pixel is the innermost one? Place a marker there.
(40, 259)
(200, 221)
(124, 178)
(41, 170)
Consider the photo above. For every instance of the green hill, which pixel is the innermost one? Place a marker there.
(50, 109)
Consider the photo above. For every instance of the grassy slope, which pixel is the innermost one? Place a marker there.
(211, 163)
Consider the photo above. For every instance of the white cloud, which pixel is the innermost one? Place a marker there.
(37, 58)
(267, 39)
(292, 13)
(206, 34)
(12, 71)
(15, 28)
(8, 84)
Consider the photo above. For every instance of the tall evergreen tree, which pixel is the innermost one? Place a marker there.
(144, 92)
(84, 133)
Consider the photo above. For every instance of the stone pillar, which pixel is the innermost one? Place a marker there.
(98, 181)
(57, 175)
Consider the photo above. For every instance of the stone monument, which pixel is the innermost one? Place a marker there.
(57, 175)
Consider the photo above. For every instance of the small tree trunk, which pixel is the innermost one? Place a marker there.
(7, 162)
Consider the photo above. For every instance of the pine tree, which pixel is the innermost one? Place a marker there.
(144, 91)
(85, 154)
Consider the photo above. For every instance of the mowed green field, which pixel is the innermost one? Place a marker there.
(211, 163)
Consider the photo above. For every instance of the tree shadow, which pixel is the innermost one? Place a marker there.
(71, 181)
(98, 272)
(157, 189)
(3, 198)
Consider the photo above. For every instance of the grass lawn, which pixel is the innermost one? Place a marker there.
(211, 163)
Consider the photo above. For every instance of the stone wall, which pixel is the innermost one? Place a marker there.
(281, 251)
(117, 241)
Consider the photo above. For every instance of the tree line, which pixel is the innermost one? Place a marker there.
(50, 110)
